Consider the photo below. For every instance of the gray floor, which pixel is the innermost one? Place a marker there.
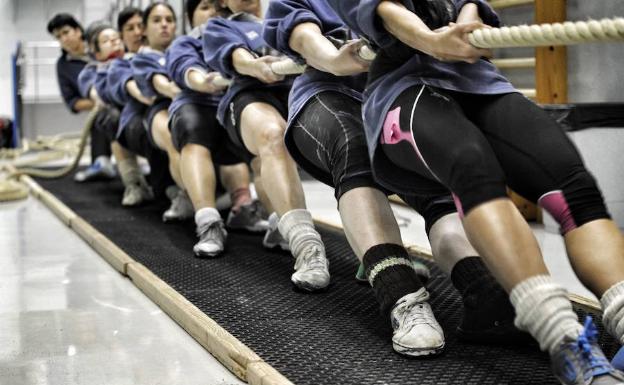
(66, 317)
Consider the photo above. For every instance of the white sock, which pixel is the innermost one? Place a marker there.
(544, 310)
(129, 172)
(206, 216)
(612, 302)
(297, 227)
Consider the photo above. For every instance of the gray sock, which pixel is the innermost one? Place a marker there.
(297, 227)
(544, 310)
(612, 302)
(130, 172)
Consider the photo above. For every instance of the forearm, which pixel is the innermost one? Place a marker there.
(406, 26)
(244, 62)
(469, 13)
(164, 86)
(83, 105)
(135, 92)
(196, 80)
(308, 41)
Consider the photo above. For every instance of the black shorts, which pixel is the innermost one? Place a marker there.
(198, 124)
(327, 140)
(159, 105)
(106, 123)
(134, 137)
(274, 96)
(431, 207)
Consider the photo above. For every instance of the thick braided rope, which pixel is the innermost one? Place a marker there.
(549, 34)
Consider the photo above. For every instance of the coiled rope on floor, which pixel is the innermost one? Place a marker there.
(12, 189)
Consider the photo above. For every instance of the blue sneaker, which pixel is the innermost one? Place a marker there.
(101, 169)
(618, 360)
(582, 362)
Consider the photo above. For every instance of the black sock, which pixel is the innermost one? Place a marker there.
(394, 276)
(485, 300)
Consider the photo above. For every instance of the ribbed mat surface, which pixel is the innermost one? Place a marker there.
(336, 337)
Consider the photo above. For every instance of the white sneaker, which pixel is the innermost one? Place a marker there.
(247, 218)
(133, 196)
(212, 238)
(181, 207)
(416, 331)
(273, 238)
(312, 269)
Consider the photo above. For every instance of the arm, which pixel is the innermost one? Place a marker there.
(450, 44)
(468, 14)
(202, 81)
(260, 68)
(164, 86)
(135, 92)
(82, 105)
(308, 41)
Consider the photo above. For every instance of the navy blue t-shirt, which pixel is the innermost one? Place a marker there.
(68, 69)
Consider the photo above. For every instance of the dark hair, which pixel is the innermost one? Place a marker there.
(435, 13)
(127, 14)
(150, 8)
(61, 20)
(94, 31)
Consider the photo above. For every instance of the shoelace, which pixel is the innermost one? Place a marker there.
(596, 364)
(314, 259)
(214, 230)
(413, 318)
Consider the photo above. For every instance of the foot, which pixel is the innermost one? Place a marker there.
(133, 196)
(181, 207)
(211, 239)
(311, 269)
(416, 331)
(247, 217)
(99, 170)
(582, 362)
(489, 317)
(420, 268)
(273, 238)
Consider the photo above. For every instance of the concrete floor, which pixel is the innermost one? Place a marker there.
(66, 317)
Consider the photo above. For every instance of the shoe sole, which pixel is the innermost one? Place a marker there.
(207, 255)
(417, 352)
(306, 288)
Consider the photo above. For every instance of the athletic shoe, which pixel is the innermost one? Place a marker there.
(416, 331)
(211, 239)
(273, 238)
(311, 269)
(133, 196)
(181, 207)
(101, 169)
(247, 218)
(582, 362)
(420, 268)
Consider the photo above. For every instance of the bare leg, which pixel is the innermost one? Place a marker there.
(260, 190)
(368, 220)
(198, 175)
(449, 242)
(162, 138)
(596, 251)
(279, 173)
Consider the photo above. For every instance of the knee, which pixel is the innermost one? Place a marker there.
(272, 138)
(578, 201)
(448, 239)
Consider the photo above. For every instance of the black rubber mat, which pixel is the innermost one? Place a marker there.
(336, 337)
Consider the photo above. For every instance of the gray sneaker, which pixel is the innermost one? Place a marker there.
(181, 207)
(416, 331)
(582, 362)
(211, 240)
(133, 196)
(273, 238)
(247, 218)
(311, 269)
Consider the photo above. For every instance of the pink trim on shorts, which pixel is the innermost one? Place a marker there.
(555, 203)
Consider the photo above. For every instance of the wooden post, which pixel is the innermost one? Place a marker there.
(551, 69)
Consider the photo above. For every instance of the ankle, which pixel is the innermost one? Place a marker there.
(240, 197)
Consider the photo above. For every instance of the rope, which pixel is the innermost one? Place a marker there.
(549, 34)
(11, 189)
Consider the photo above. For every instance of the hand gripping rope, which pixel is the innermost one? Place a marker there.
(567, 33)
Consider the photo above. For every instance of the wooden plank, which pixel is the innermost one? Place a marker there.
(551, 69)
(232, 353)
(35, 188)
(111, 253)
(501, 4)
(63, 212)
